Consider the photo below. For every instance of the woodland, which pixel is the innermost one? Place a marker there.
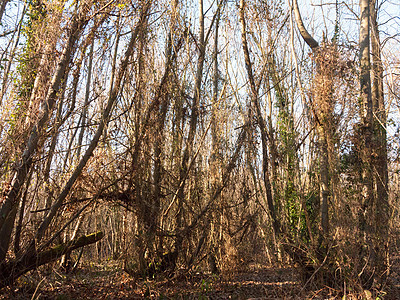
(199, 149)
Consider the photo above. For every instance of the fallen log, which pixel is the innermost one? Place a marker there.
(12, 270)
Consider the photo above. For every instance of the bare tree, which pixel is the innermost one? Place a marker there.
(31, 258)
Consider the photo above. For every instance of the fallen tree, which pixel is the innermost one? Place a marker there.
(12, 270)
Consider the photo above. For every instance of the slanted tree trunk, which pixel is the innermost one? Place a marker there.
(9, 272)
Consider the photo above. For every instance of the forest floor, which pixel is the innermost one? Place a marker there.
(110, 282)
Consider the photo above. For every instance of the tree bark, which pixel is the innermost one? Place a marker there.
(380, 144)
(311, 42)
(373, 215)
(367, 250)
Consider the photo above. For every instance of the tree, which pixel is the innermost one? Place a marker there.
(373, 201)
(322, 106)
(254, 88)
(380, 156)
(9, 208)
(190, 130)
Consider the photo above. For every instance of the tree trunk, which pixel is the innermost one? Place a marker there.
(307, 37)
(373, 215)
(2, 9)
(380, 144)
(171, 54)
(323, 120)
(192, 132)
(260, 120)
(9, 272)
(368, 259)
